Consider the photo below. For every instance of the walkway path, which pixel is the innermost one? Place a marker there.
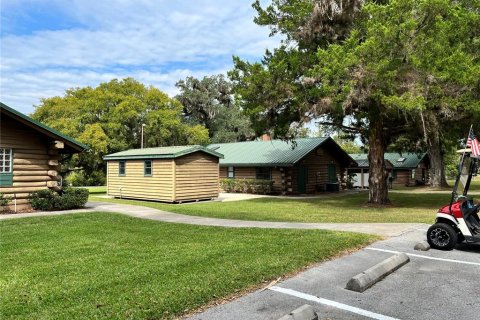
(382, 229)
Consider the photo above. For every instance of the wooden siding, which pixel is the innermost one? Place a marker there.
(251, 173)
(135, 185)
(286, 179)
(404, 176)
(317, 163)
(196, 177)
(32, 155)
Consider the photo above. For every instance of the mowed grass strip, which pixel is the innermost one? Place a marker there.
(406, 207)
(97, 190)
(110, 266)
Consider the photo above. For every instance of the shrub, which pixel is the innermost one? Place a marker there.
(42, 199)
(69, 198)
(78, 179)
(4, 201)
(228, 185)
(247, 185)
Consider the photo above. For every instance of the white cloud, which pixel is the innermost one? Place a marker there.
(156, 42)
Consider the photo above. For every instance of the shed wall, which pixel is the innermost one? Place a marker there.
(196, 177)
(134, 184)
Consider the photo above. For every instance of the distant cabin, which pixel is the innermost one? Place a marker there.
(29, 156)
(405, 169)
(168, 174)
(306, 165)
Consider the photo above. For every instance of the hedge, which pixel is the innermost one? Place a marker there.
(247, 185)
(68, 198)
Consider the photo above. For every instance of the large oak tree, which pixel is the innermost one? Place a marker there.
(108, 118)
(369, 66)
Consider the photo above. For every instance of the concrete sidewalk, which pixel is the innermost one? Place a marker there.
(382, 229)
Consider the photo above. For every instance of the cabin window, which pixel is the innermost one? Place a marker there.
(413, 173)
(121, 168)
(6, 174)
(5, 160)
(231, 172)
(263, 173)
(147, 168)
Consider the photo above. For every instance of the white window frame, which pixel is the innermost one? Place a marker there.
(145, 174)
(3, 153)
(231, 173)
(120, 174)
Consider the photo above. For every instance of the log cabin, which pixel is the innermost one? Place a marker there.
(303, 166)
(407, 168)
(30, 154)
(168, 174)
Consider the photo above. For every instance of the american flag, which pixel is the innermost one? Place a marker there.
(472, 143)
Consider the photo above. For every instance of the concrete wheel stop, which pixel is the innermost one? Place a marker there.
(369, 277)
(422, 246)
(304, 312)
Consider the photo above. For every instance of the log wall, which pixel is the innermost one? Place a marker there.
(251, 173)
(33, 168)
(286, 179)
(317, 170)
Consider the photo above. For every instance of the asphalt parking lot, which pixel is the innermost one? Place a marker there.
(434, 285)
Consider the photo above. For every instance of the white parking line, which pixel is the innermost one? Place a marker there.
(426, 257)
(331, 303)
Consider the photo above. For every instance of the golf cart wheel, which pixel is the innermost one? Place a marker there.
(442, 236)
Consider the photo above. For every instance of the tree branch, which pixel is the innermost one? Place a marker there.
(346, 128)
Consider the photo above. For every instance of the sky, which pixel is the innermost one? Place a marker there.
(48, 46)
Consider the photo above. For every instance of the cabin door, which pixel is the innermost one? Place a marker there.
(332, 173)
(302, 179)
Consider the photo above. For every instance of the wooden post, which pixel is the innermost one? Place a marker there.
(362, 179)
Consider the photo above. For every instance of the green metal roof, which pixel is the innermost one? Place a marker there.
(72, 142)
(159, 153)
(274, 153)
(404, 160)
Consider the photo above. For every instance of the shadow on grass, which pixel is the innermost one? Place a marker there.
(359, 201)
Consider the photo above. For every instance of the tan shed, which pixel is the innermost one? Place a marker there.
(169, 174)
(30, 154)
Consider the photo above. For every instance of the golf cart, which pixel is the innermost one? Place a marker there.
(459, 220)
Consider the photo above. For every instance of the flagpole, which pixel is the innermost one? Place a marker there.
(460, 165)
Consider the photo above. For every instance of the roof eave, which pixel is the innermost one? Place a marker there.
(69, 141)
(162, 156)
(244, 165)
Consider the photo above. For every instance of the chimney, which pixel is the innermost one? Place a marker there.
(265, 137)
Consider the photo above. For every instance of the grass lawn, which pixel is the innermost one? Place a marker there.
(407, 207)
(474, 185)
(97, 190)
(109, 266)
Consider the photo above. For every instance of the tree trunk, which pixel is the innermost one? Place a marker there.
(377, 180)
(437, 171)
(432, 127)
